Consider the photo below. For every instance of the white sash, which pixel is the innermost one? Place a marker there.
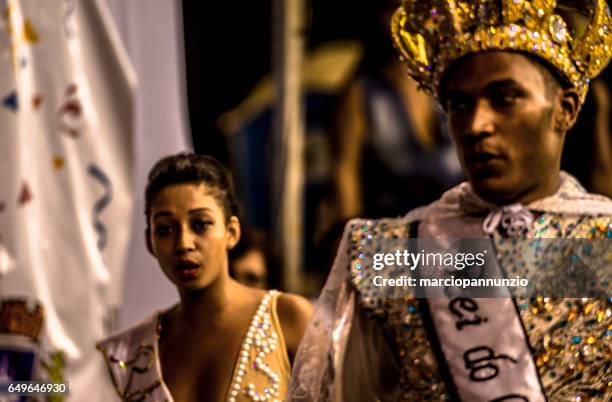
(483, 343)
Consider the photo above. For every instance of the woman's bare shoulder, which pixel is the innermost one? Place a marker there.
(294, 313)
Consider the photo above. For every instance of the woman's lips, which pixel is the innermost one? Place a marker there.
(188, 269)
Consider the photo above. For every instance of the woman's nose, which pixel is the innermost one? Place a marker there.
(184, 242)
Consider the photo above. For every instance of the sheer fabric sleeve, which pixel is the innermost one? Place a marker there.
(345, 354)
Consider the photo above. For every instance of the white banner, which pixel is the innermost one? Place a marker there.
(153, 37)
(66, 165)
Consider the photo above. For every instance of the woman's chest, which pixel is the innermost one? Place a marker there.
(199, 368)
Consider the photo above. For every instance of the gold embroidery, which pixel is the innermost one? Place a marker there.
(140, 363)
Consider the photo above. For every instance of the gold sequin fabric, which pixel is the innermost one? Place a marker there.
(571, 339)
(573, 37)
(419, 373)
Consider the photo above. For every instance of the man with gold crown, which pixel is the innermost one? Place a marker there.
(511, 76)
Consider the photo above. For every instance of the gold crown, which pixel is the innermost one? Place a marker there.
(430, 35)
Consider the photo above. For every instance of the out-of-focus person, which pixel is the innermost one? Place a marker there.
(251, 261)
(392, 150)
(588, 151)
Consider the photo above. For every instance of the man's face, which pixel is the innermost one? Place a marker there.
(502, 112)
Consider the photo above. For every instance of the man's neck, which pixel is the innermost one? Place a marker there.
(529, 195)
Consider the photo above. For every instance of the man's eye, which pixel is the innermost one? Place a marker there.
(505, 99)
(163, 230)
(456, 105)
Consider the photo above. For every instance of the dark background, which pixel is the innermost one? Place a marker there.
(228, 49)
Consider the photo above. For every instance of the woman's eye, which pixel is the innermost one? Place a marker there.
(163, 230)
(200, 226)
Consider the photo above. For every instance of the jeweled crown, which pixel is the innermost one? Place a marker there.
(572, 36)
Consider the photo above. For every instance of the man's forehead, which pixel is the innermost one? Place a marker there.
(479, 71)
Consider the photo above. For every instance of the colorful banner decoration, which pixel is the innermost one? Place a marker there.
(66, 166)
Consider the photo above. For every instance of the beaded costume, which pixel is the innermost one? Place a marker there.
(380, 348)
(261, 372)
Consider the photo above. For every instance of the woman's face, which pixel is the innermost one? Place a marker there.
(189, 235)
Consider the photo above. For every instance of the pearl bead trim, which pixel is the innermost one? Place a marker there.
(260, 338)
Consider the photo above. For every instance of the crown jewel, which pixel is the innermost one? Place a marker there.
(430, 35)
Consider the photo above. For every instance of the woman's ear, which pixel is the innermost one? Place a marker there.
(568, 109)
(233, 232)
(148, 241)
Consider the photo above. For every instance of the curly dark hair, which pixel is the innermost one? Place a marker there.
(189, 168)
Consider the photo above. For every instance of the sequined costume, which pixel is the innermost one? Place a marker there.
(380, 350)
(261, 372)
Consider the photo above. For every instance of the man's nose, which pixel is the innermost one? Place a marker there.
(184, 241)
(482, 120)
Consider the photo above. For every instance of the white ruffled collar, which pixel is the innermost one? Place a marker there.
(571, 199)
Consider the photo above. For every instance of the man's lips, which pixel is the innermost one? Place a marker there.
(485, 163)
(481, 157)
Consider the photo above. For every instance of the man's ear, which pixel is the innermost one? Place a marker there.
(148, 241)
(233, 232)
(568, 109)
